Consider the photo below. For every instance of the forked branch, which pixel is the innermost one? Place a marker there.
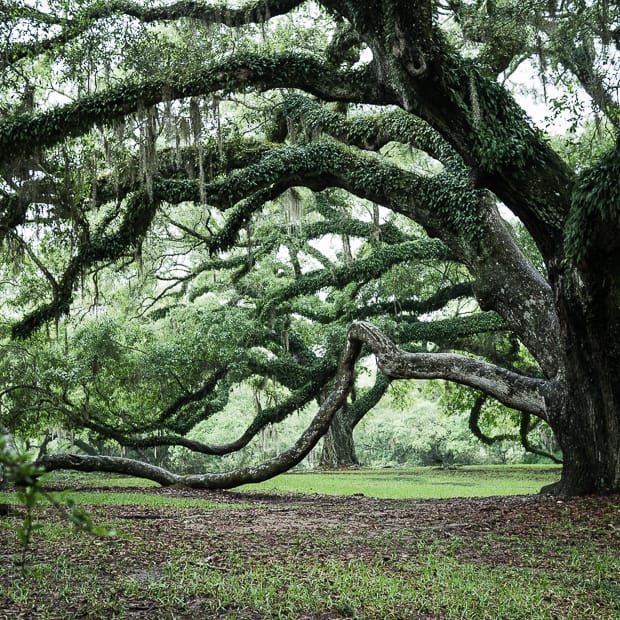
(520, 392)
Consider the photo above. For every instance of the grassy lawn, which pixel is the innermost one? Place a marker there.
(419, 482)
(184, 554)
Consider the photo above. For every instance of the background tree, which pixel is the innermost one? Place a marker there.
(99, 171)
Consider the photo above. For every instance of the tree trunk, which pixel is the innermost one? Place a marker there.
(587, 420)
(338, 446)
(9, 445)
(588, 437)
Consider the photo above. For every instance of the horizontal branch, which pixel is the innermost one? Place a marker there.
(448, 330)
(25, 134)
(513, 390)
(257, 12)
(398, 308)
(371, 131)
(394, 363)
(361, 270)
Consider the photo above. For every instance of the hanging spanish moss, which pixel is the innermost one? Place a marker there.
(119, 128)
(376, 224)
(293, 209)
(346, 249)
(148, 148)
(195, 118)
(94, 171)
(217, 115)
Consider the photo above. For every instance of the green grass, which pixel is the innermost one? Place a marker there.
(431, 583)
(110, 498)
(420, 482)
(195, 563)
(97, 479)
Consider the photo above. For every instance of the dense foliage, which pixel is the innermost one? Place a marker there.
(201, 198)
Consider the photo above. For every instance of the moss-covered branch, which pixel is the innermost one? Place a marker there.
(25, 134)
(398, 308)
(175, 417)
(258, 11)
(371, 131)
(448, 330)
(361, 270)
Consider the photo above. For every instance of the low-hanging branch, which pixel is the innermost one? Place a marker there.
(345, 379)
(310, 382)
(393, 362)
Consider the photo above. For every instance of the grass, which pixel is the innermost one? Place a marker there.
(329, 558)
(420, 482)
(110, 498)
(434, 581)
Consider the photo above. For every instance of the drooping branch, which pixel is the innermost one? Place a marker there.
(343, 384)
(110, 246)
(524, 429)
(474, 424)
(257, 12)
(182, 415)
(25, 134)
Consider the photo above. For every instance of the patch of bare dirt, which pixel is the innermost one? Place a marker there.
(256, 528)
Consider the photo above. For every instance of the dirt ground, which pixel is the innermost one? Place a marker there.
(275, 528)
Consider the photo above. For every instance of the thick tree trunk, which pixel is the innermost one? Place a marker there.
(338, 445)
(586, 420)
(588, 436)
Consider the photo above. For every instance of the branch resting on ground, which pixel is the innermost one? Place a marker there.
(510, 388)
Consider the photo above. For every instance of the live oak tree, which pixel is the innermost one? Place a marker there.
(424, 74)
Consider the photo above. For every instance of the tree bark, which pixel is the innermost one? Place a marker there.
(338, 445)
(585, 412)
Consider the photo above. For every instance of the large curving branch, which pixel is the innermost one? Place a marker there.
(25, 134)
(510, 388)
(257, 12)
(523, 392)
(488, 129)
(343, 384)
